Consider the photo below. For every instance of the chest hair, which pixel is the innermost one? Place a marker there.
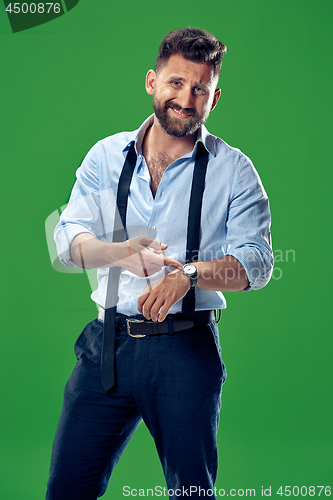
(157, 164)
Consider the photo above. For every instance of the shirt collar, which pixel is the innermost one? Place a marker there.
(207, 139)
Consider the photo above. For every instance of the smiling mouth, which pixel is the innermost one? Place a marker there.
(181, 114)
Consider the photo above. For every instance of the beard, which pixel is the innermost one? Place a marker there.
(178, 127)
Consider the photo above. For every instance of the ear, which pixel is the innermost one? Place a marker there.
(216, 97)
(150, 81)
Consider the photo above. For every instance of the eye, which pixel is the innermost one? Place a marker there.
(199, 90)
(176, 83)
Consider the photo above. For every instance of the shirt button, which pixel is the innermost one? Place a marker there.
(148, 199)
(138, 292)
(153, 228)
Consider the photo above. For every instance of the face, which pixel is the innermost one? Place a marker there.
(184, 92)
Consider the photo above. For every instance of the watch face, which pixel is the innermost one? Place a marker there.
(190, 269)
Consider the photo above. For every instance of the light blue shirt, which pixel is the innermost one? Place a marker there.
(235, 217)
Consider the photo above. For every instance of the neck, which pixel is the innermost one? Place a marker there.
(157, 140)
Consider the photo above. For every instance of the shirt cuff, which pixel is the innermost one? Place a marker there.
(63, 236)
(258, 267)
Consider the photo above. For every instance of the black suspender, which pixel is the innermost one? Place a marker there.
(119, 234)
(194, 218)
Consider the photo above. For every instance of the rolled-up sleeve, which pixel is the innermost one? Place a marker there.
(82, 214)
(248, 226)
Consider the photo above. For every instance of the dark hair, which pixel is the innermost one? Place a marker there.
(194, 44)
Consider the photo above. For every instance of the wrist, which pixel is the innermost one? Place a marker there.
(116, 251)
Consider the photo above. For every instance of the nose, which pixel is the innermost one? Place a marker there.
(185, 99)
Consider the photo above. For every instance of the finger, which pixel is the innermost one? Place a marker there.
(157, 245)
(149, 303)
(142, 299)
(143, 240)
(146, 307)
(163, 312)
(156, 251)
(156, 308)
(172, 263)
(150, 242)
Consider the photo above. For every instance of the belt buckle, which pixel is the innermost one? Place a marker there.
(128, 325)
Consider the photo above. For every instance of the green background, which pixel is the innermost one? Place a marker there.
(72, 81)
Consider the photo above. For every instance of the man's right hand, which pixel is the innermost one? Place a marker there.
(143, 256)
(140, 255)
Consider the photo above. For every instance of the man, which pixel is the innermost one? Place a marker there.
(189, 198)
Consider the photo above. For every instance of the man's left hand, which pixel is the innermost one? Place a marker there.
(156, 300)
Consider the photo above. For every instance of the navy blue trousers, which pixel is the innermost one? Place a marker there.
(172, 382)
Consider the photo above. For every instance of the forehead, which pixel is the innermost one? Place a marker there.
(178, 66)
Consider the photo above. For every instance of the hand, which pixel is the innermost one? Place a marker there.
(136, 257)
(156, 300)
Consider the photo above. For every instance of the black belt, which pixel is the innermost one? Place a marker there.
(173, 323)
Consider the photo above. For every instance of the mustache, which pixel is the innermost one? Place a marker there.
(186, 111)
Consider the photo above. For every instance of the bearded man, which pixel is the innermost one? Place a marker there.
(171, 216)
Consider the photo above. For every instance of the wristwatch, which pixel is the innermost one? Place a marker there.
(191, 271)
